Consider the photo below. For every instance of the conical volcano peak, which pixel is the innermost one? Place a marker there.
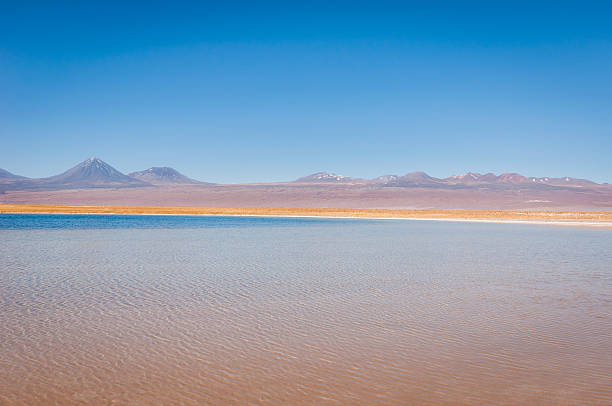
(92, 172)
(95, 168)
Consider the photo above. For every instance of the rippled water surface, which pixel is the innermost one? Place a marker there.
(152, 310)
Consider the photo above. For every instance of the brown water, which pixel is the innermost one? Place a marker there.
(188, 311)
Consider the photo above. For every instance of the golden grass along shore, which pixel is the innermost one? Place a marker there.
(570, 217)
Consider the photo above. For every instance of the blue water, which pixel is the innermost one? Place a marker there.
(103, 221)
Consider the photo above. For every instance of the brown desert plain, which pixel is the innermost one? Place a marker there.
(321, 196)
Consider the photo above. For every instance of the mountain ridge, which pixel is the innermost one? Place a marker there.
(163, 175)
(95, 173)
(93, 182)
(470, 179)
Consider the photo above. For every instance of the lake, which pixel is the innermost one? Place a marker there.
(164, 310)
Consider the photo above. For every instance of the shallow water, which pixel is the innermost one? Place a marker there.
(102, 310)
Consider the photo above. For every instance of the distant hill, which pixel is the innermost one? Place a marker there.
(6, 175)
(162, 176)
(324, 177)
(411, 179)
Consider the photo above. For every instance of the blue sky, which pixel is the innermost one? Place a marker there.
(269, 91)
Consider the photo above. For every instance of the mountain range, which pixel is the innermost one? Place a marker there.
(95, 173)
(421, 179)
(94, 182)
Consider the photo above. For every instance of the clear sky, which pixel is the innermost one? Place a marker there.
(266, 91)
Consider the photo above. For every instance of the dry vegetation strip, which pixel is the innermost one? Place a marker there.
(556, 216)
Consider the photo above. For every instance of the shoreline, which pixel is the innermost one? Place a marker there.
(564, 218)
